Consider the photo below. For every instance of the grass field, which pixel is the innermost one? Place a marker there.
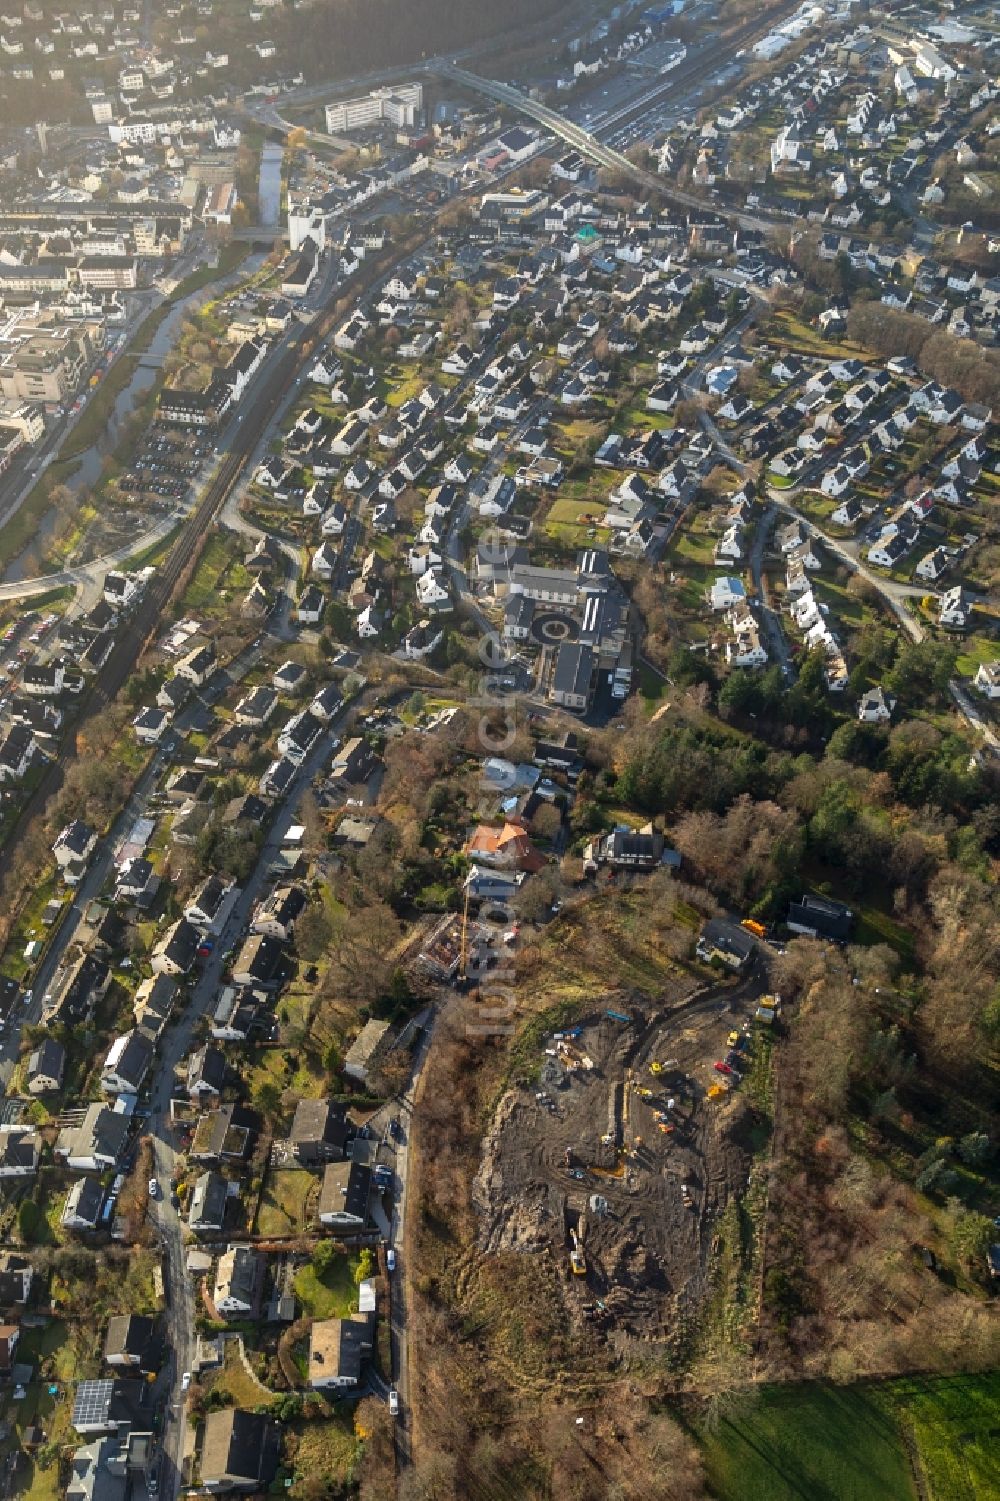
(820, 1443)
(575, 522)
(824, 1443)
(875, 926)
(975, 651)
(220, 574)
(234, 1379)
(953, 1422)
(326, 1450)
(690, 560)
(285, 1202)
(788, 332)
(332, 1296)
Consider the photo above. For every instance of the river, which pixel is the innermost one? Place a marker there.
(89, 464)
(269, 187)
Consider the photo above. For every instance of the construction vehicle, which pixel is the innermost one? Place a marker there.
(756, 928)
(660, 1066)
(717, 1089)
(768, 1008)
(571, 1058)
(576, 1258)
(645, 1094)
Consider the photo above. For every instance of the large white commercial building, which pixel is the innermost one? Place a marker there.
(399, 106)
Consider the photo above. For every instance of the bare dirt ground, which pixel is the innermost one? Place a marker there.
(639, 1163)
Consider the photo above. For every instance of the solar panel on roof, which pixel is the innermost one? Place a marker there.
(92, 1401)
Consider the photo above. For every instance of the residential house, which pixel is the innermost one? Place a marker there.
(876, 706)
(206, 1075)
(955, 609)
(259, 963)
(46, 1066)
(934, 565)
(96, 1144)
(72, 849)
(299, 736)
(277, 914)
(207, 1210)
(344, 1194)
(223, 1135)
(319, 1132)
(728, 942)
(368, 1050)
(210, 906)
(238, 1282)
(987, 679)
(18, 750)
(238, 1451)
(573, 675)
(16, 1276)
(84, 1203)
(176, 951)
(127, 1063)
(337, 1348)
(131, 1342)
(153, 1003)
(821, 917)
(151, 725)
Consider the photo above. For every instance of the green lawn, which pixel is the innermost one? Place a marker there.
(219, 576)
(825, 1443)
(651, 686)
(954, 1422)
(878, 927)
(327, 1450)
(975, 651)
(332, 1296)
(788, 332)
(811, 1443)
(285, 1202)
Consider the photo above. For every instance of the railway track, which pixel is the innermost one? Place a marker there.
(260, 408)
(696, 69)
(105, 686)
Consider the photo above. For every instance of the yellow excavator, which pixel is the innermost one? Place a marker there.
(576, 1259)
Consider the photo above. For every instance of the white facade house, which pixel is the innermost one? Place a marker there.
(876, 706)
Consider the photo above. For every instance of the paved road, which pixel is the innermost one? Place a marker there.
(895, 596)
(777, 642)
(399, 1332)
(88, 576)
(90, 887)
(694, 378)
(181, 1303)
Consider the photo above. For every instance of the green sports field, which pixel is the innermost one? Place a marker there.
(825, 1443)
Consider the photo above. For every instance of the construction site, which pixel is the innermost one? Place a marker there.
(620, 1156)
